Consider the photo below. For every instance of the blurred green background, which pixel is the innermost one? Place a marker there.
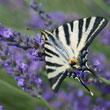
(14, 13)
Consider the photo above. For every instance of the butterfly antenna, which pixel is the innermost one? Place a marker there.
(82, 82)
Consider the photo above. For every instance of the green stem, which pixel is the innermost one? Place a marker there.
(43, 100)
(46, 103)
(104, 80)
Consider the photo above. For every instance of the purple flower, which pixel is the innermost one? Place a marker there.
(42, 16)
(80, 73)
(34, 4)
(99, 61)
(21, 81)
(39, 40)
(18, 63)
(86, 100)
(23, 66)
(106, 37)
(6, 33)
(80, 93)
(38, 81)
(36, 22)
(107, 75)
(1, 107)
(48, 93)
(108, 2)
(58, 16)
(36, 55)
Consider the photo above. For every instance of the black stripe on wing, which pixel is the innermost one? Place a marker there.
(66, 32)
(80, 26)
(87, 23)
(50, 70)
(47, 43)
(51, 52)
(57, 33)
(97, 23)
(56, 82)
(48, 35)
(45, 54)
(53, 64)
(71, 26)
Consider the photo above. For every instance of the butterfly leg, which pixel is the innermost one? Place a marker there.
(81, 81)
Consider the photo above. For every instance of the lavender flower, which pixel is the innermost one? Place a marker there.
(6, 33)
(99, 61)
(57, 18)
(21, 81)
(108, 2)
(42, 14)
(1, 107)
(75, 99)
(13, 53)
(105, 36)
(36, 22)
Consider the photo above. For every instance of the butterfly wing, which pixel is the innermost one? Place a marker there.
(56, 57)
(80, 33)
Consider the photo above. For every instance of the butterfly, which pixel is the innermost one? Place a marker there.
(66, 49)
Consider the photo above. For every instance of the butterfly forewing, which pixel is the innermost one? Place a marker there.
(80, 33)
(66, 42)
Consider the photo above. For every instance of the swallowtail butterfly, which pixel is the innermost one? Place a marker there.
(66, 49)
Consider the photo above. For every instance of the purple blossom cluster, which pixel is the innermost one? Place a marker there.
(102, 67)
(22, 58)
(74, 99)
(101, 64)
(43, 20)
(105, 36)
(1, 107)
(108, 2)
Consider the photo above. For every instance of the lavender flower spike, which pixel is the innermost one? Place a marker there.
(13, 53)
(6, 33)
(43, 15)
(1, 107)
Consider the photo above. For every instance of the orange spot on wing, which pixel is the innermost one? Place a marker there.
(74, 60)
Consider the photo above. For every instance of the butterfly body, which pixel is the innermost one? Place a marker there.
(66, 49)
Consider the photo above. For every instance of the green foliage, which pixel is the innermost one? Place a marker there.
(13, 97)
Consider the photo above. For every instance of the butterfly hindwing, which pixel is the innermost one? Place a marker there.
(69, 41)
(56, 60)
